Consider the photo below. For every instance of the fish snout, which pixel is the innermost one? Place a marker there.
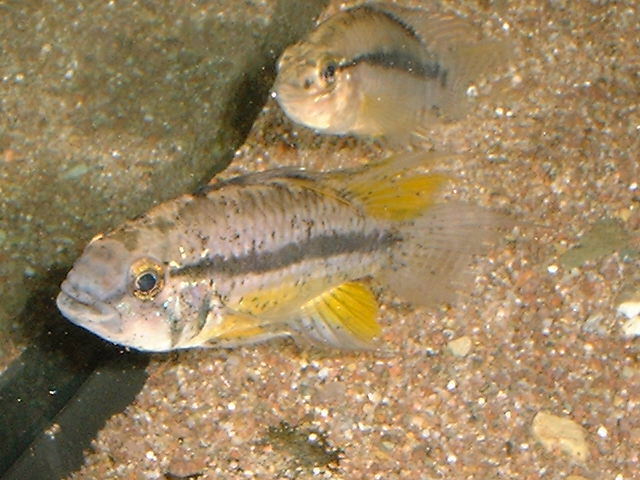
(101, 271)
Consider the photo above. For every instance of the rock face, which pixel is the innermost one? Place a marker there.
(107, 108)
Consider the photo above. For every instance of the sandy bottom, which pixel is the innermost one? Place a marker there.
(555, 143)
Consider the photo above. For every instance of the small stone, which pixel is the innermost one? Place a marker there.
(558, 433)
(629, 305)
(629, 309)
(593, 324)
(629, 301)
(75, 172)
(460, 347)
(605, 237)
(631, 328)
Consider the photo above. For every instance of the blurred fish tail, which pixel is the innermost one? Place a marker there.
(431, 263)
(468, 63)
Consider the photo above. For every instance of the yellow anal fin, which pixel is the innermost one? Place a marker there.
(397, 198)
(343, 316)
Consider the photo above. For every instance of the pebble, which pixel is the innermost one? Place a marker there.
(75, 172)
(631, 328)
(558, 433)
(460, 347)
(629, 306)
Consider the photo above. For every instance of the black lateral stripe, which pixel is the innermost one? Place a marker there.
(323, 246)
(401, 61)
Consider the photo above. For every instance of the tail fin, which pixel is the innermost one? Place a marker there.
(455, 43)
(431, 263)
(468, 63)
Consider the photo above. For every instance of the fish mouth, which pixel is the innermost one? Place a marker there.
(81, 308)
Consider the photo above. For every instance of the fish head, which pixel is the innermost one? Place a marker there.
(125, 296)
(314, 89)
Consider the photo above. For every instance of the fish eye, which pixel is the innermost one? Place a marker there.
(146, 282)
(329, 72)
(147, 278)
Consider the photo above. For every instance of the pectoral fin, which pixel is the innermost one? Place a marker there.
(233, 329)
(343, 317)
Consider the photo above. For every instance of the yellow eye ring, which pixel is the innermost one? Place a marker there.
(147, 278)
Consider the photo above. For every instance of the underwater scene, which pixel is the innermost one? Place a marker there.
(276, 239)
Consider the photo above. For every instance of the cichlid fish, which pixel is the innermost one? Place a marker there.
(383, 70)
(283, 252)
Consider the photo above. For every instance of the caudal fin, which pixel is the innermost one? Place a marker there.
(432, 262)
(467, 63)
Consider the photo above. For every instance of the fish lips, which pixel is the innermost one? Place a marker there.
(85, 311)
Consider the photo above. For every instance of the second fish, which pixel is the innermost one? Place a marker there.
(383, 70)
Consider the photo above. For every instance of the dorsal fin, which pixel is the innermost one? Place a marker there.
(392, 190)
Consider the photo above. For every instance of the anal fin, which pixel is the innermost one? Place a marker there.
(343, 316)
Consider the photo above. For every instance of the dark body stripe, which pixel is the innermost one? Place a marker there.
(323, 246)
(400, 57)
(400, 61)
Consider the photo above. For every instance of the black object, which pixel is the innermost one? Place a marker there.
(59, 393)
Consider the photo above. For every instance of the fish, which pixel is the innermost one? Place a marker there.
(382, 70)
(285, 252)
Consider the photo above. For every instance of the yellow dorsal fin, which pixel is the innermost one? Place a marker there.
(343, 316)
(393, 191)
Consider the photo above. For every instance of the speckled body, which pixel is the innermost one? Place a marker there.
(215, 251)
(285, 252)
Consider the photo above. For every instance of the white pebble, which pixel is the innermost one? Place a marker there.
(602, 432)
(629, 309)
(631, 328)
(552, 269)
